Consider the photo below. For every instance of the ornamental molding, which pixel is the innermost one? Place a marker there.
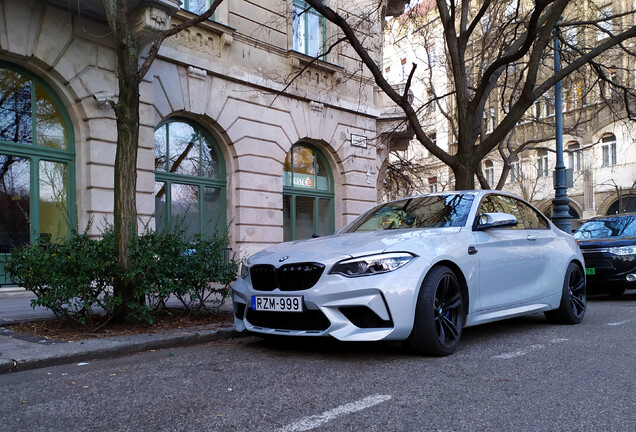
(146, 22)
(197, 73)
(317, 106)
(198, 40)
(314, 72)
(208, 37)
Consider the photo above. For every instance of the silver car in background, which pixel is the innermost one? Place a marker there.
(419, 269)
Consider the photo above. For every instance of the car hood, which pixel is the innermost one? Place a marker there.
(337, 247)
(606, 243)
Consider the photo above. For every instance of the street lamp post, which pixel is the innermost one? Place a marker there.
(561, 214)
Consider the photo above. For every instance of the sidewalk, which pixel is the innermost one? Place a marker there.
(21, 352)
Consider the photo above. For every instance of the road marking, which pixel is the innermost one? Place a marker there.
(314, 421)
(524, 351)
(519, 353)
(618, 323)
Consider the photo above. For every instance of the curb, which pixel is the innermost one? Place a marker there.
(118, 347)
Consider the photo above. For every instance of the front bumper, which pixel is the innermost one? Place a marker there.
(608, 268)
(368, 308)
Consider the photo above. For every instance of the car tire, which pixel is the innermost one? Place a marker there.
(573, 298)
(439, 314)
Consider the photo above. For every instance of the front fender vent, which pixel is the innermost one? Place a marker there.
(363, 317)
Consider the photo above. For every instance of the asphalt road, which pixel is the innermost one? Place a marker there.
(522, 374)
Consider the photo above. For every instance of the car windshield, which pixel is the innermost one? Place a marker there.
(431, 211)
(616, 227)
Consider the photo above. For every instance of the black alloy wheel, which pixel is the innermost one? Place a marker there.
(439, 314)
(573, 300)
(577, 292)
(446, 309)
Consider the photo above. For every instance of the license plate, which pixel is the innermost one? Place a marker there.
(277, 304)
(590, 271)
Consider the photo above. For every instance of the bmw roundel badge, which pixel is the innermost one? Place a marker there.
(283, 259)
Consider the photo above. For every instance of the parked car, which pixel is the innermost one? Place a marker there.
(419, 269)
(608, 244)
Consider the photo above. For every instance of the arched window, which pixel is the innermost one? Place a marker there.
(307, 194)
(626, 204)
(36, 161)
(189, 179)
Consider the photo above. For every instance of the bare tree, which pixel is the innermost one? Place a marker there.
(499, 52)
(130, 72)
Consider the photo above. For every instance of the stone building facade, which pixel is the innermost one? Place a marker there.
(227, 137)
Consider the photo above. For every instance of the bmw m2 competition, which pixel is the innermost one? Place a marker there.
(418, 269)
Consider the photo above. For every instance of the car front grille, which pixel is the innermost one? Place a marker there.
(290, 277)
(309, 320)
(595, 250)
(599, 264)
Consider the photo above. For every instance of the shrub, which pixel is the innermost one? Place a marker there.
(197, 272)
(74, 278)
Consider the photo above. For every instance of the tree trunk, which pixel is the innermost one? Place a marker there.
(464, 176)
(127, 115)
(125, 213)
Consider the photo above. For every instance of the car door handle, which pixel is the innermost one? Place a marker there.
(531, 238)
(472, 250)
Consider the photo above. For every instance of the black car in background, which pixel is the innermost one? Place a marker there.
(608, 244)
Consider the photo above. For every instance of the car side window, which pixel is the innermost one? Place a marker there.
(531, 218)
(501, 204)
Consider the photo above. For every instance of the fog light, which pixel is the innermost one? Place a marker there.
(631, 277)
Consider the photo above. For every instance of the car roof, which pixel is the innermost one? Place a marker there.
(474, 192)
(614, 216)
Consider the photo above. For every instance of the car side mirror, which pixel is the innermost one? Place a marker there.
(495, 220)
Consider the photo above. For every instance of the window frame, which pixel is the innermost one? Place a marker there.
(316, 194)
(522, 224)
(489, 172)
(208, 3)
(37, 154)
(514, 175)
(201, 182)
(574, 155)
(304, 16)
(608, 150)
(495, 200)
(543, 163)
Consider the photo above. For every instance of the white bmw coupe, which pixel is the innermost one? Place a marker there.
(418, 269)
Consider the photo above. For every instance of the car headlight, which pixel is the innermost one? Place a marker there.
(245, 271)
(372, 264)
(623, 250)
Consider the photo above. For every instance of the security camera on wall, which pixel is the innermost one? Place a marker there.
(103, 98)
